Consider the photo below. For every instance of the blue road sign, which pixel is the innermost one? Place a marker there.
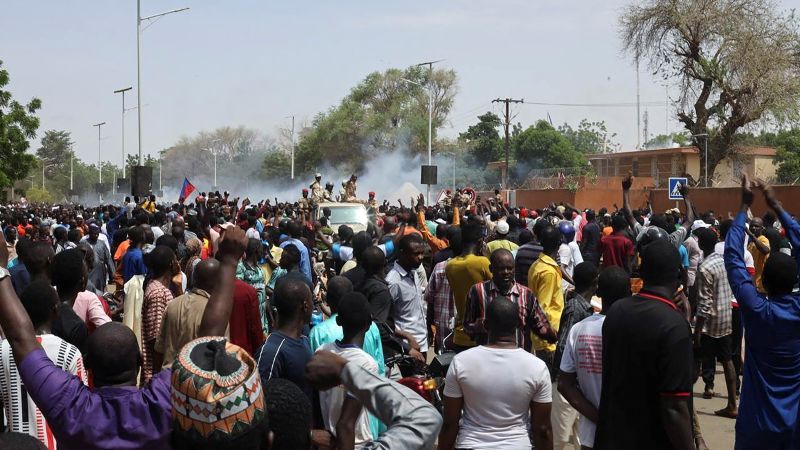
(674, 190)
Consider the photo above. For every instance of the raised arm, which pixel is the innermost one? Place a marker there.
(787, 222)
(218, 310)
(412, 421)
(14, 320)
(627, 182)
(741, 283)
(689, 209)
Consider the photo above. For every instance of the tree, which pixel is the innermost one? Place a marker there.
(667, 141)
(590, 137)
(735, 61)
(382, 113)
(18, 126)
(788, 158)
(484, 139)
(543, 147)
(39, 195)
(277, 166)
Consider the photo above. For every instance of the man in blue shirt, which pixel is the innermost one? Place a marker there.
(295, 230)
(770, 400)
(133, 261)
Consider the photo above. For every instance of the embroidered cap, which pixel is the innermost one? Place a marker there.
(216, 391)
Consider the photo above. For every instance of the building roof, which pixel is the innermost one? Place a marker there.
(754, 151)
(638, 153)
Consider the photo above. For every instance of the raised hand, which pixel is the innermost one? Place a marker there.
(232, 245)
(627, 182)
(747, 191)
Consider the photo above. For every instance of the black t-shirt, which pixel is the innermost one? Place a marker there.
(69, 327)
(591, 241)
(647, 355)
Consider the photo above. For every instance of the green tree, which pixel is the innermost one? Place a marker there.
(484, 139)
(543, 147)
(667, 140)
(38, 195)
(590, 137)
(788, 158)
(383, 112)
(735, 60)
(18, 126)
(277, 166)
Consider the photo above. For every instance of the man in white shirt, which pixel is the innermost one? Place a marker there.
(581, 375)
(479, 412)
(569, 253)
(342, 414)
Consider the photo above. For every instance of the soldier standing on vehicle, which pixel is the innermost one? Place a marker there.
(316, 189)
(350, 189)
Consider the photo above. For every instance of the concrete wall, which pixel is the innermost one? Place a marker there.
(721, 200)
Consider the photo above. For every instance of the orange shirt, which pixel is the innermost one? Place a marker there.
(121, 250)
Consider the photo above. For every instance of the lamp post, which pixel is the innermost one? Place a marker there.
(139, 20)
(44, 166)
(99, 159)
(123, 91)
(705, 157)
(430, 125)
(292, 150)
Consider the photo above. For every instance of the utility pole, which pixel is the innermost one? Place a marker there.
(430, 117)
(292, 148)
(99, 160)
(123, 91)
(638, 111)
(506, 125)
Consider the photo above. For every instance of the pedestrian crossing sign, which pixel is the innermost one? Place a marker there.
(675, 184)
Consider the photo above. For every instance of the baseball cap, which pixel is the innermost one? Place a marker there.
(699, 224)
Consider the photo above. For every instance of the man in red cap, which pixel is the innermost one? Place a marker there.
(372, 203)
(304, 200)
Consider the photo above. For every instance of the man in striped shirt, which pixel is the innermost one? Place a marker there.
(713, 329)
(502, 284)
(23, 416)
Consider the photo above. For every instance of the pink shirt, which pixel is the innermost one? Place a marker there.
(89, 308)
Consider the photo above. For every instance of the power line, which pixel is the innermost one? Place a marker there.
(597, 105)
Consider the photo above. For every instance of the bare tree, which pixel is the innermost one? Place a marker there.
(735, 61)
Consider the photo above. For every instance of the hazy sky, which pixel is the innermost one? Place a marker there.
(253, 63)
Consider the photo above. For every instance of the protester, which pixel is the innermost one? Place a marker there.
(647, 368)
(544, 280)
(406, 290)
(161, 265)
(463, 272)
(245, 322)
(580, 374)
(768, 409)
(181, 318)
(713, 324)
(479, 412)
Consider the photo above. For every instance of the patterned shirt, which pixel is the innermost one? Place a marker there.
(254, 276)
(714, 296)
(156, 297)
(439, 299)
(531, 314)
(21, 412)
(576, 308)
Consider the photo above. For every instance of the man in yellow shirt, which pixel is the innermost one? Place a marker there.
(501, 241)
(544, 279)
(759, 248)
(463, 272)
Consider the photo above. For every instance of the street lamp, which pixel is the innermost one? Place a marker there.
(213, 151)
(139, 20)
(430, 124)
(44, 166)
(123, 91)
(292, 151)
(99, 160)
(705, 158)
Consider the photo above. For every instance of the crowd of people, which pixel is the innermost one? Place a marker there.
(220, 323)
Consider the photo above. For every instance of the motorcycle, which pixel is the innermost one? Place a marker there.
(426, 380)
